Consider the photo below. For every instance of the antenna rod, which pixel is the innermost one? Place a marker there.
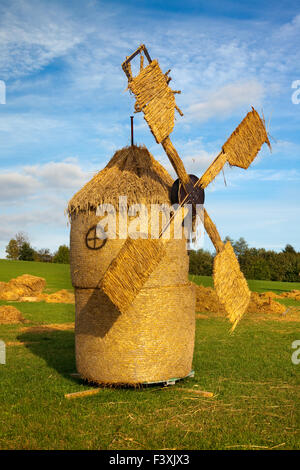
(131, 117)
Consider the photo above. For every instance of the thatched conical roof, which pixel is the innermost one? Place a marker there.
(132, 172)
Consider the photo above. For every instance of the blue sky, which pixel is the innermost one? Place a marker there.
(67, 111)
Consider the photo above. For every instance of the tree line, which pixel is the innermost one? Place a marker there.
(256, 263)
(19, 248)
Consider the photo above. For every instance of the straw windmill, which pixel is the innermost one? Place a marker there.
(134, 305)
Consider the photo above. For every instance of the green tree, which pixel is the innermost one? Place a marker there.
(201, 262)
(43, 255)
(26, 252)
(21, 238)
(228, 239)
(62, 255)
(289, 249)
(12, 249)
(240, 246)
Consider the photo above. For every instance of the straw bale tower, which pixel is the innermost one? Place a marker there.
(154, 339)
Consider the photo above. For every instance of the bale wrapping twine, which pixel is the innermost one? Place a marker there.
(153, 339)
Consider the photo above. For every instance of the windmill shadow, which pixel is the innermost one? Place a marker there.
(97, 315)
(56, 348)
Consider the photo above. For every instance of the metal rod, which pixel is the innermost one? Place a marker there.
(131, 117)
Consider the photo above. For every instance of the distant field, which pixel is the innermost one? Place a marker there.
(56, 275)
(256, 286)
(255, 384)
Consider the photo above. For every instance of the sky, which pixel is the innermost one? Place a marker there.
(67, 109)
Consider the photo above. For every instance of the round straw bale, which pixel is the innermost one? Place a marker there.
(153, 340)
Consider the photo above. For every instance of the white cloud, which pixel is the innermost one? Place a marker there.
(15, 186)
(63, 175)
(32, 34)
(223, 102)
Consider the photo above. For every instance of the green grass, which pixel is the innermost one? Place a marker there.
(256, 286)
(256, 389)
(57, 275)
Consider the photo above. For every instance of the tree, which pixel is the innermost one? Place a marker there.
(228, 239)
(21, 238)
(26, 252)
(201, 262)
(12, 249)
(240, 246)
(289, 249)
(62, 255)
(44, 255)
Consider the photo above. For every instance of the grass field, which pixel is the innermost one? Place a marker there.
(256, 387)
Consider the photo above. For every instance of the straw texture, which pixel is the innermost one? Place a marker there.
(130, 269)
(212, 232)
(153, 341)
(153, 338)
(156, 99)
(245, 142)
(132, 172)
(234, 294)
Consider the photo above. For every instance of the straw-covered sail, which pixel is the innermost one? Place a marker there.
(153, 340)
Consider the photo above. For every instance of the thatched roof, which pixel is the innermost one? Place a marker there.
(132, 172)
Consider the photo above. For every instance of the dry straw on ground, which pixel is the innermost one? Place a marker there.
(10, 315)
(207, 301)
(22, 286)
(28, 288)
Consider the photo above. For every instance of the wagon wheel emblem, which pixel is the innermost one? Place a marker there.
(92, 241)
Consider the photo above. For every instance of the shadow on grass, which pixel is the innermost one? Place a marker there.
(56, 348)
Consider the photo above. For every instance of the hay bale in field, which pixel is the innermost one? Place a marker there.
(10, 315)
(27, 284)
(270, 294)
(207, 301)
(22, 286)
(259, 303)
(153, 340)
(293, 294)
(29, 299)
(62, 296)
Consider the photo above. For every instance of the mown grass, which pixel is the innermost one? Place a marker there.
(254, 285)
(57, 275)
(255, 384)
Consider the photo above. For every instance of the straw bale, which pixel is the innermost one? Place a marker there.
(62, 296)
(293, 294)
(10, 315)
(152, 341)
(208, 301)
(245, 142)
(9, 295)
(88, 266)
(134, 346)
(260, 303)
(27, 284)
(30, 299)
(22, 286)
